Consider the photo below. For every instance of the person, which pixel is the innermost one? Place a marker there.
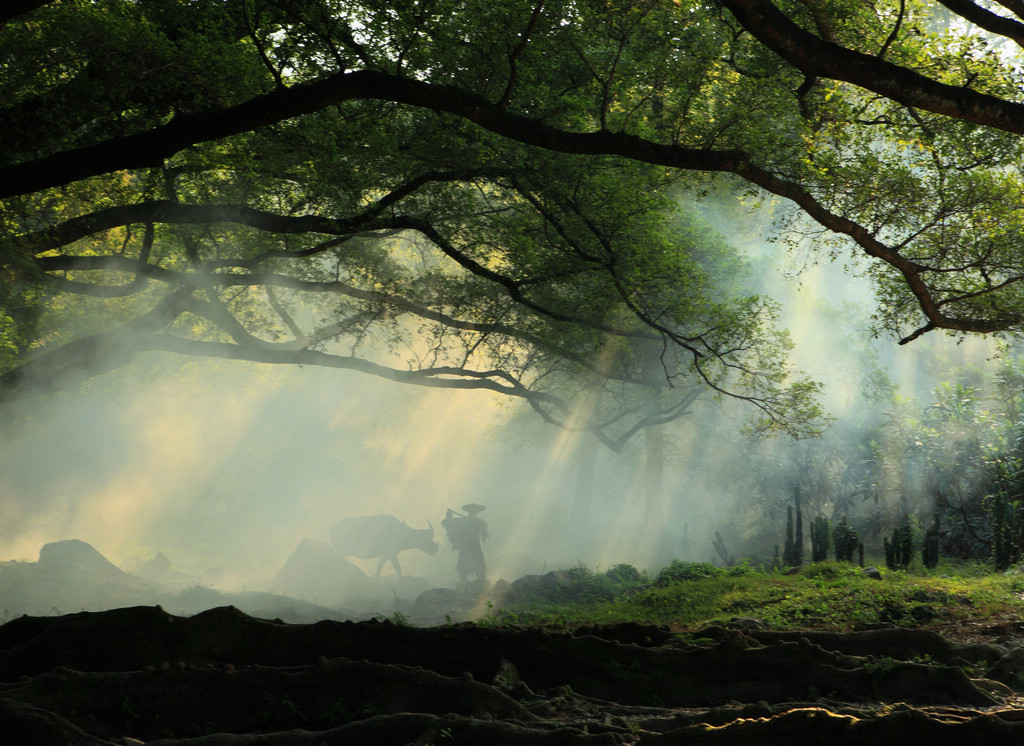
(466, 532)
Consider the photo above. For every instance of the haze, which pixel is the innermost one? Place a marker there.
(227, 467)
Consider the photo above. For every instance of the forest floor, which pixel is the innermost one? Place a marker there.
(951, 674)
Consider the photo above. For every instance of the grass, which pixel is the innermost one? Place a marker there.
(828, 595)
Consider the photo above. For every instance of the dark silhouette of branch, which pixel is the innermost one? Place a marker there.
(149, 149)
(817, 57)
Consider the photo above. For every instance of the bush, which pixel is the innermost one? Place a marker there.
(580, 584)
(680, 571)
(626, 574)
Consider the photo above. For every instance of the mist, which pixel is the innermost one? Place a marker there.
(227, 467)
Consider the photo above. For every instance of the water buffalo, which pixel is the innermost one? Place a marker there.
(384, 536)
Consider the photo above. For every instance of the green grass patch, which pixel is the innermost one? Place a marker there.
(827, 595)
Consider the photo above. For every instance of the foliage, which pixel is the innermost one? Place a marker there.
(827, 595)
(581, 585)
(679, 571)
(892, 128)
(950, 457)
(626, 575)
(962, 462)
(288, 183)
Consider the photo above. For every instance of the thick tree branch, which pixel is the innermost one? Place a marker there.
(830, 60)
(816, 57)
(911, 271)
(986, 19)
(150, 148)
(1014, 6)
(72, 362)
(171, 211)
(68, 364)
(269, 281)
(110, 262)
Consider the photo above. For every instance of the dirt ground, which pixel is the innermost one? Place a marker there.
(140, 674)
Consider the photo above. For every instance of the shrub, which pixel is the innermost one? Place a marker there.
(626, 574)
(679, 571)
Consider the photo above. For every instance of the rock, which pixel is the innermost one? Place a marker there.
(550, 585)
(924, 612)
(1009, 669)
(79, 555)
(501, 592)
(871, 572)
(316, 571)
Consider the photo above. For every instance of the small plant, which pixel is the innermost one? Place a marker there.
(397, 618)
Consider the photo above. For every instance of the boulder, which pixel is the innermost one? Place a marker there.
(317, 572)
(79, 555)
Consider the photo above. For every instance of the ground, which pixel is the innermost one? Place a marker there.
(140, 674)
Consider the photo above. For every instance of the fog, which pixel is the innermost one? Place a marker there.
(227, 467)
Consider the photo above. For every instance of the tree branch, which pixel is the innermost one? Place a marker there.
(100, 353)
(986, 19)
(70, 363)
(149, 149)
(814, 56)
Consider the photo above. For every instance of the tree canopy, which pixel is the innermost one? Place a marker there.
(480, 194)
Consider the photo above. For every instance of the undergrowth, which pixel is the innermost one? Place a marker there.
(827, 595)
